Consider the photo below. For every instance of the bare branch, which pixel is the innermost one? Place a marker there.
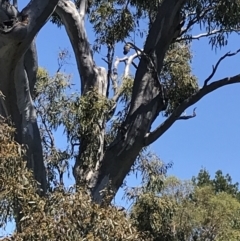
(186, 117)
(207, 34)
(161, 129)
(114, 76)
(110, 57)
(229, 54)
(31, 20)
(134, 65)
(158, 26)
(128, 62)
(37, 12)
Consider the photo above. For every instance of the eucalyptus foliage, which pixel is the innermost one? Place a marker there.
(183, 211)
(108, 123)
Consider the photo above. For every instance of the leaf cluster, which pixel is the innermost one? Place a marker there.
(178, 81)
(182, 211)
(53, 104)
(212, 15)
(112, 21)
(63, 214)
(80, 116)
(219, 183)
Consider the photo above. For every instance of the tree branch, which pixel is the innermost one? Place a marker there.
(128, 60)
(128, 63)
(82, 8)
(33, 17)
(18, 77)
(161, 20)
(229, 54)
(114, 75)
(74, 24)
(161, 129)
(207, 34)
(197, 18)
(110, 57)
(186, 117)
(146, 103)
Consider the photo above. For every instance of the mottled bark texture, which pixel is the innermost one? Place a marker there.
(18, 67)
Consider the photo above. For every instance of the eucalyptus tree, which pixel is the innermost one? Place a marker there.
(163, 81)
(183, 211)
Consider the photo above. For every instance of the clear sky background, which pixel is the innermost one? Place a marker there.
(210, 140)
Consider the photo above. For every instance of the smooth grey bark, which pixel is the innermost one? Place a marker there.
(92, 77)
(18, 66)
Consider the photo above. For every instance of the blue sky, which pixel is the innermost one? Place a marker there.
(210, 140)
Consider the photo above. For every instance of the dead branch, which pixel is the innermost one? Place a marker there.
(128, 63)
(128, 60)
(114, 75)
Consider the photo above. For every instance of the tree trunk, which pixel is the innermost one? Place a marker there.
(18, 68)
(92, 78)
(146, 103)
(100, 169)
(113, 165)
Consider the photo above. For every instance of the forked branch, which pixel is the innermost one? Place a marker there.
(128, 60)
(114, 75)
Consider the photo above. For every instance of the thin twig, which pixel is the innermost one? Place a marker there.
(229, 54)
